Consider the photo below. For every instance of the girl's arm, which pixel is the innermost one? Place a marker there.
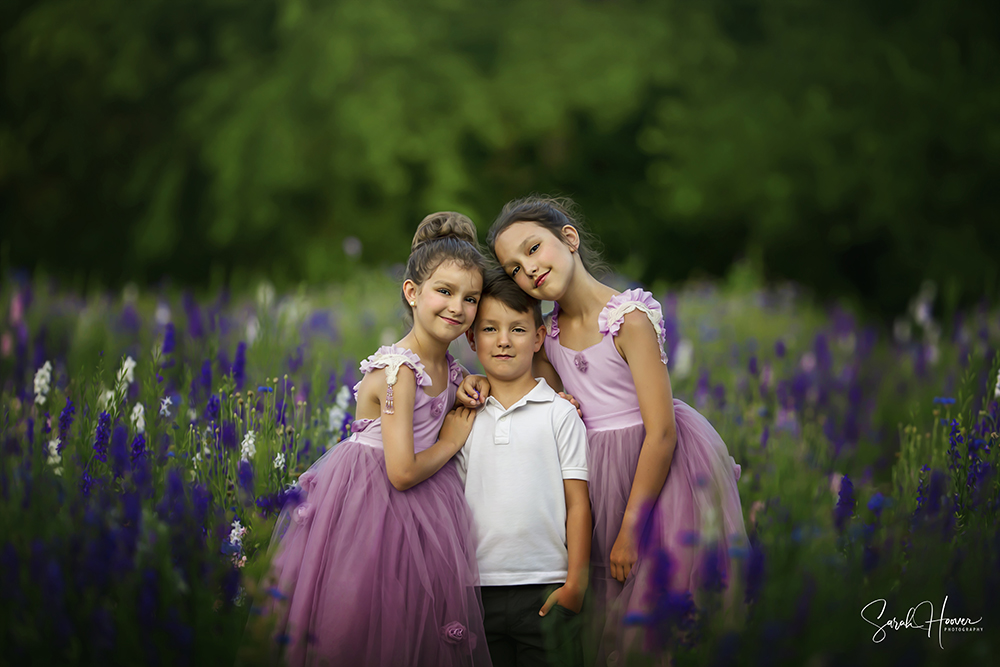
(640, 347)
(404, 467)
(579, 527)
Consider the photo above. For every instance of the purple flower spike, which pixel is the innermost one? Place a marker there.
(240, 365)
(102, 436)
(169, 339)
(845, 504)
(65, 421)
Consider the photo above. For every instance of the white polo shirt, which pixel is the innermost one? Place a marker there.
(513, 466)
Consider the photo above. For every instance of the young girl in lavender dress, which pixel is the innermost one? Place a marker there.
(660, 473)
(376, 565)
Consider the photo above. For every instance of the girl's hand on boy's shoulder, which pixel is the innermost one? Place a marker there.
(573, 401)
(567, 596)
(473, 391)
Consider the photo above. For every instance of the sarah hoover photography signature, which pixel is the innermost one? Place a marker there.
(920, 617)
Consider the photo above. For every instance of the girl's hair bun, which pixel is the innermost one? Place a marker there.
(442, 225)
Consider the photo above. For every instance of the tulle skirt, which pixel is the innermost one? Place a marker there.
(371, 575)
(697, 512)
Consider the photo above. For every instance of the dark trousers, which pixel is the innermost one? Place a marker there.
(518, 637)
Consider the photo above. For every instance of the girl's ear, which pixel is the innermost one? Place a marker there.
(471, 336)
(409, 290)
(539, 337)
(571, 237)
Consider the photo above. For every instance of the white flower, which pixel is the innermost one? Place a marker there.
(165, 404)
(162, 314)
(337, 412)
(54, 458)
(336, 418)
(248, 449)
(237, 533)
(196, 460)
(106, 399)
(192, 415)
(43, 380)
(996, 392)
(126, 374)
(279, 461)
(343, 396)
(683, 358)
(139, 418)
(253, 329)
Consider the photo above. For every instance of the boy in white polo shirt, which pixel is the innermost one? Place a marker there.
(525, 472)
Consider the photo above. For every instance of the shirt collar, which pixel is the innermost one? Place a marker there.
(540, 393)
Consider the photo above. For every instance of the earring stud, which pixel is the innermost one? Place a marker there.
(413, 303)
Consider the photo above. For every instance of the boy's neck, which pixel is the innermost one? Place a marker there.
(509, 392)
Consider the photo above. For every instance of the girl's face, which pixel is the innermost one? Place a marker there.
(539, 262)
(445, 304)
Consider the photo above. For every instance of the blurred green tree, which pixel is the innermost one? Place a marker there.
(847, 146)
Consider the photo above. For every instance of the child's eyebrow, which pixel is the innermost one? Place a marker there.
(524, 244)
(453, 288)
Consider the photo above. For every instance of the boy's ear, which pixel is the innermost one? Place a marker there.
(471, 336)
(539, 337)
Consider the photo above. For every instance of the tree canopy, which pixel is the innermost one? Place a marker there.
(849, 146)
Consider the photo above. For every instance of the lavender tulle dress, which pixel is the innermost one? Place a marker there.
(699, 507)
(374, 575)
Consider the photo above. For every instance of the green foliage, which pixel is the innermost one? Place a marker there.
(849, 146)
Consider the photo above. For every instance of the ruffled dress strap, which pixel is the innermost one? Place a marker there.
(391, 357)
(611, 318)
(456, 372)
(553, 321)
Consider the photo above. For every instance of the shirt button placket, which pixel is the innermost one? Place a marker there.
(502, 432)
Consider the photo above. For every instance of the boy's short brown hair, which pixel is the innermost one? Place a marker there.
(498, 285)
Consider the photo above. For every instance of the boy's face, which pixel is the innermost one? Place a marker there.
(504, 340)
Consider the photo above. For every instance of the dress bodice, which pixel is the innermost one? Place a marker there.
(597, 376)
(428, 411)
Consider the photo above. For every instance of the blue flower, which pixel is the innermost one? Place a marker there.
(240, 364)
(754, 572)
(65, 421)
(102, 436)
(276, 593)
(193, 312)
(845, 503)
(169, 339)
(940, 400)
(876, 503)
(265, 390)
(713, 570)
(245, 475)
(213, 408)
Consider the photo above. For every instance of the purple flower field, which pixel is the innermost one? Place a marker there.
(150, 440)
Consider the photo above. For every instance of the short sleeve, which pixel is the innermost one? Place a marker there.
(571, 443)
(391, 358)
(611, 318)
